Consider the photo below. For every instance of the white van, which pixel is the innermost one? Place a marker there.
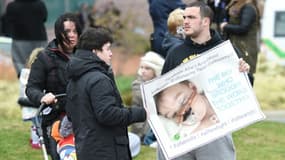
(273, 31)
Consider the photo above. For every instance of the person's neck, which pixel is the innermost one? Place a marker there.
(67, 52)
(203, 37)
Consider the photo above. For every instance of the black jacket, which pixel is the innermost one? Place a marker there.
(159, 11)
(95, 108)
(26, 19)
(189, 50)
(48, 73)
(170, 42)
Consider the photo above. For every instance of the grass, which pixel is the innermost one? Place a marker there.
(124, 85)
(263, 140)
(270, 91)
(260, 141)
(269, 87)
(15, 134)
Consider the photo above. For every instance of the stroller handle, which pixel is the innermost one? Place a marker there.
(24, 101)
(60, 95)
(43, 104)
(39, 128)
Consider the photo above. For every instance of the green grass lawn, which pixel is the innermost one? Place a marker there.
(260, 141)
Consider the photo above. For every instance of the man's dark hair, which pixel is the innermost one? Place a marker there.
(94, 38)
(205, 10)
(60, 34)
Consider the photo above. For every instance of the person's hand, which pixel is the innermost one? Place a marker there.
(243, 66)
(49, 98)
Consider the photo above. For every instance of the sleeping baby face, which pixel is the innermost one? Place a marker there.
(181, 103)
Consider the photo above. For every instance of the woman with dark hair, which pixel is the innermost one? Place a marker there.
(48, 76)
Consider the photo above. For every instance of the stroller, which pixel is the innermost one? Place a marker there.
(62, 148)
(43, 129)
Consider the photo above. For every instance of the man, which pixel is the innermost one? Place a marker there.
(26, 20)
(94, 105)
(200, 38)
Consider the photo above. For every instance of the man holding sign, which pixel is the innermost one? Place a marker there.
(200, 38)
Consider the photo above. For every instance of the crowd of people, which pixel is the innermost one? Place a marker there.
(92, 120)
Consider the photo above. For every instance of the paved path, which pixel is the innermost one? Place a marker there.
(277, 116)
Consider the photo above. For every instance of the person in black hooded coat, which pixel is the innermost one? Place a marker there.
(94, 105)
(48, 77)
(25, 23)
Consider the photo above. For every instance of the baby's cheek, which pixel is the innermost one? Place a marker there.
(199, 110)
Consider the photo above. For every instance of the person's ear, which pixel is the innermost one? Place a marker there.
(206, 21)
(95, 51)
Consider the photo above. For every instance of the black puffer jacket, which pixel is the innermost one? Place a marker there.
(48, 73)
(27, 19)
(95, 108)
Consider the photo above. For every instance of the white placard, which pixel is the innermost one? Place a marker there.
(218, 83)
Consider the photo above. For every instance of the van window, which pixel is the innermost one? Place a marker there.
(279, 25)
